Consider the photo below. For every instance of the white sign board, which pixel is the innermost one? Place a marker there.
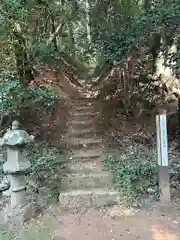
(162, 145)
(158, 140)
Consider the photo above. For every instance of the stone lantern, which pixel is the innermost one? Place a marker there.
(16, 166)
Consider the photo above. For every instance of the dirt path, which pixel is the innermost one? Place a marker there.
(114, 224)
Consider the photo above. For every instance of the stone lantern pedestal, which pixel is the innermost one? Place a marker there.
(16, 166)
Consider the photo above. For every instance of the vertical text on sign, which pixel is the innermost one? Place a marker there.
(162, 148)
(158, 139)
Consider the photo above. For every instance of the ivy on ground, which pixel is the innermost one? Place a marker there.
(135, 173)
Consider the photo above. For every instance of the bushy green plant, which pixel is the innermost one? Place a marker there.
(10, 92)
(43, 52)
(175, 173)
(14, 96)
(46, 165)
(133, 173)
(138, 29)
(40, 95)
(5, 233)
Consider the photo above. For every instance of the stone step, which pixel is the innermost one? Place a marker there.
(86, 133)
(82, 108)
(89, 198)
(85, 167)
(83, 114)
(85, 142)
(87, 181)
(80, 117)
(85, 154)
(85, 103)
(79, 124)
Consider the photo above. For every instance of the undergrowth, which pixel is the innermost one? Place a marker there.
(47, 166)
(5, 233)
(135, 173)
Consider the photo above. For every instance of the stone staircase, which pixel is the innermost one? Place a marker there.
(85, 183)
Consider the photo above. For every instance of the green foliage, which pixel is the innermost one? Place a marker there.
(47, 165)
(10, 92)
(118, 29)
(5, 233)
(135, 172)
(175, 173)
(136, 30)
(13, 9)
(14, 96)
(126, 25)
(42, 52)
(40, 95)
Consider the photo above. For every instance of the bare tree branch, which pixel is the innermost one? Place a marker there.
(57, 32)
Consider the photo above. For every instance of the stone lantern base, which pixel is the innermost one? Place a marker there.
(20, 215)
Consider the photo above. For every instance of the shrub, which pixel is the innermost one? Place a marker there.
(13, 96)
(134, 173)
(47, 166)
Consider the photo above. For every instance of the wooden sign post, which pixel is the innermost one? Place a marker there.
(162, 158)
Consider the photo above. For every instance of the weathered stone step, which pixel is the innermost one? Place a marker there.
(85, 102)
(89, 198)
(83, 114)
(85, 167)
(86, 132)
(87, 181)
(79, 124)
(85, 142)
(83, 117)
(86, 154)
(82, 108)
(83, 135)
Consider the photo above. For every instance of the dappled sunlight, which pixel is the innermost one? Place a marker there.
(159, 234)
(120, 211)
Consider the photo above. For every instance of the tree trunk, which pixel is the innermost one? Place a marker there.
(71, 41)
(88, 19)
(24, 68)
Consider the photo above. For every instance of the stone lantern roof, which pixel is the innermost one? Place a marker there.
(16, 136)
